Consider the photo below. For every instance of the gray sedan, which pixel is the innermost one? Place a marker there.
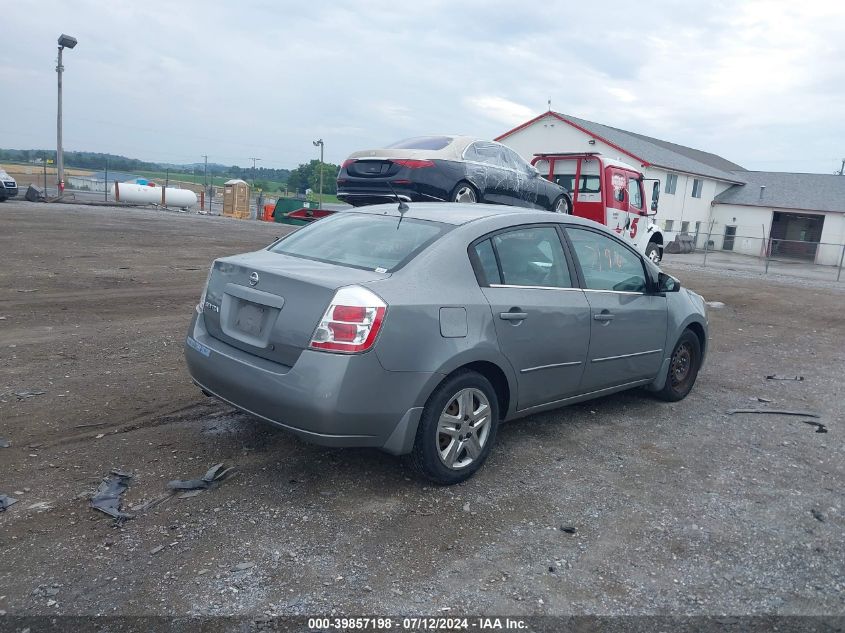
(418, 330)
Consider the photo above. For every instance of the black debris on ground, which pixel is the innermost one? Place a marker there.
(107, 497)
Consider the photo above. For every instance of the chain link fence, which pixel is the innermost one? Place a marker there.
(81, 186)
(753, 249)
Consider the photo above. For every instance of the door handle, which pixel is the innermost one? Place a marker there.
(603, 316)
(513, 316)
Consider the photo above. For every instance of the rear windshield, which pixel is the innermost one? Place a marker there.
(359, 240)
(422, 142)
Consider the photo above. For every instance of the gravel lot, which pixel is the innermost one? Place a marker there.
(676, 508)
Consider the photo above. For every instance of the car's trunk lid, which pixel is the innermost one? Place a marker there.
(269, 304)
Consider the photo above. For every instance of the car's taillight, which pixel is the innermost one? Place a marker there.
(411, 163)
(347, 163)
(201, 304)
(351, 322)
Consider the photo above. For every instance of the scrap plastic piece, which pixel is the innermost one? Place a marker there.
(215, 473)
(776, 377)
(4, 443)
(107, 497)
(6, 501)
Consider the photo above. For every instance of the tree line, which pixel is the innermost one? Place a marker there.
(96, 161)
(305, 176)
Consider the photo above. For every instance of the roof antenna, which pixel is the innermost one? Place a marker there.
(403, 207)
(550, 104)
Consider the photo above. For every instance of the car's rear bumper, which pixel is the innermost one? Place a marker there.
(359, 192)
(325, 398)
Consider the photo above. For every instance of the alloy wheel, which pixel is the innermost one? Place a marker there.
(463, 428)
(562, 206)
(465, 193)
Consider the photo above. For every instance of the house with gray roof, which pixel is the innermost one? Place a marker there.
(704, 194)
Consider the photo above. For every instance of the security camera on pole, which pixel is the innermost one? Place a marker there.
(65, 41)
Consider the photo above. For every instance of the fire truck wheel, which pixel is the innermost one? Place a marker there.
(652, 251)
(562, 205)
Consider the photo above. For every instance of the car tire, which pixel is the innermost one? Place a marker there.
(464, 192)
(683, 368)
(455, 437)
(652, 252)
(562, 205)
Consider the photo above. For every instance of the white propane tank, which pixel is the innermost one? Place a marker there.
(144, 194)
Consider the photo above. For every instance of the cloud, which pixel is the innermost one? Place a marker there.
(756, 82)
(499, 109)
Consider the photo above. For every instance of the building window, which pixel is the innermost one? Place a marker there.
(696, 188)
(684, 227)
(668, 225)
(671, 183)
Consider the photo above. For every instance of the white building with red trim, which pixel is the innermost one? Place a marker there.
(704, 194)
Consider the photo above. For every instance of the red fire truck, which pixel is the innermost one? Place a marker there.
(609, 192)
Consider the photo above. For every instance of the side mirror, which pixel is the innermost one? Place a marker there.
(655, 195)
(667, 283)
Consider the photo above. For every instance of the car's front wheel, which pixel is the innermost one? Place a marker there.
(562, 205)
(464, 192)
(683, 368)
(457, 429)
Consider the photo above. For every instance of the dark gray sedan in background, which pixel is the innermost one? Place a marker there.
(447, 169)
(419, 330)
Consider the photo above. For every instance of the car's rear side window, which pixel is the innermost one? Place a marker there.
(530, 256)
(362, 240)
(422, 142)
(487, 259)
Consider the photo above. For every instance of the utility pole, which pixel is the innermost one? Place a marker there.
(253, 159)
(65, 41)
(841, 169)
(106, 179)
(205, 174)
(257, 210)
(319, 143)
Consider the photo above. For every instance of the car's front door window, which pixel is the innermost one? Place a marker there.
(606, 263)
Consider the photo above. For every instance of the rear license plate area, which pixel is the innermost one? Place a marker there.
(250, 318)
(371, 168)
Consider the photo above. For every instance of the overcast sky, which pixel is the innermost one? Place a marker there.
(760, 83)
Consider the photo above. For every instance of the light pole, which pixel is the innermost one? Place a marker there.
(65, 41)
(319, 143)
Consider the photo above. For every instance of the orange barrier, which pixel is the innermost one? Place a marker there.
(268, 212)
